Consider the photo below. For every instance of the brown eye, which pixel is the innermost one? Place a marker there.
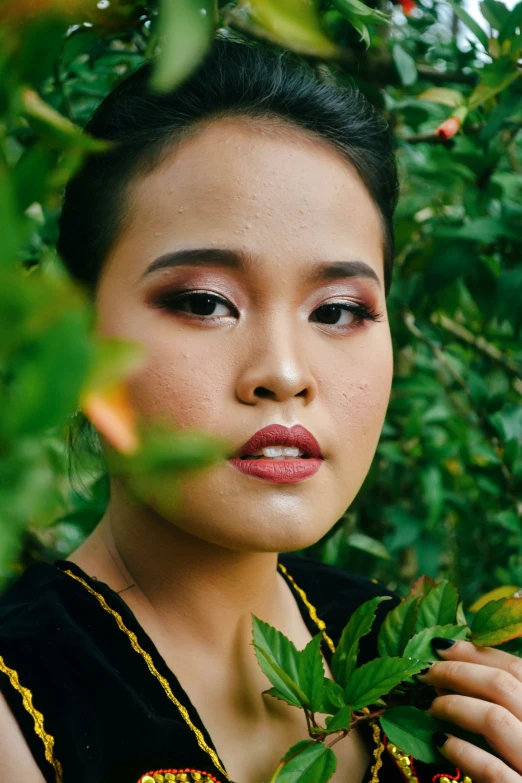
(199, 304)
(331, 314)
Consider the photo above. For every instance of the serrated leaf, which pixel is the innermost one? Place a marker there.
(333, 697)
(279, 660)
(411, 730)
(276, 694)
(419, 646)
(311, 673)
(377, 678)
(398, 628)
(344, 659)
(471, 24)
(438, 607)
(341, 720)
(422, 586)
(497, 622)
(286, 687)
(312, 763)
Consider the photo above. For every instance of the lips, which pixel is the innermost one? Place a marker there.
(285, 471)
(279, 435)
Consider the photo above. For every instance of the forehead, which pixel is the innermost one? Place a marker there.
(265, 188)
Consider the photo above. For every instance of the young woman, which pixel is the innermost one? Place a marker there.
(241, 230)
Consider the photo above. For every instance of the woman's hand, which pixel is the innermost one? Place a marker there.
(486, 698)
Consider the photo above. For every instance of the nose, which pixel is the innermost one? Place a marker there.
(276, 366)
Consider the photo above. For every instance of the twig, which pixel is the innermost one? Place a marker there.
(480, 343)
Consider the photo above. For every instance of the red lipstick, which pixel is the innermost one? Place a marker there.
(282, 471)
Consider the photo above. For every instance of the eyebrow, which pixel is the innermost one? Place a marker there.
(320, 272)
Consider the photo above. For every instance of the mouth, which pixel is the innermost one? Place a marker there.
(279, 454)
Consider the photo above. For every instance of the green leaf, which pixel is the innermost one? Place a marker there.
(292, 23)
(276, 694)
(286, 688)
(279, 660)
(419, 646)
(438, 607)
(369, 545)
(495, 12)
(471, 24)
(422, 586)
(411, 730)
(351, 8)
(398, 628)
(513, 21)
(311, 673)
(405, 64)
(341, 719)
(377, 678)
(333, 697)
(185, 33)
(497, 622)
(443, 95)
(344, 659)
(313, 763)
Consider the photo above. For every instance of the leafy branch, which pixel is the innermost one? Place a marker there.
(383, 689)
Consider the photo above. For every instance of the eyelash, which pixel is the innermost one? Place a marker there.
(363, 312)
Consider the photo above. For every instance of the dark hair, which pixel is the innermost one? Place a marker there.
(251, 80)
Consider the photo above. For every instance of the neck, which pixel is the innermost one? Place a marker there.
(183, 582)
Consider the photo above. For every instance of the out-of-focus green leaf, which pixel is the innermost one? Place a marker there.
(471, 24)
(292, 23)
(367, 544)
(405, 65)
(185, 33)
(511, 23)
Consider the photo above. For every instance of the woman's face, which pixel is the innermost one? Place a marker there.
(288, 213)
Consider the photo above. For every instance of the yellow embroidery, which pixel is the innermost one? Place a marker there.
(311, 608)
(379, 745)
(404, 763)
(27, 698)
(148, 660)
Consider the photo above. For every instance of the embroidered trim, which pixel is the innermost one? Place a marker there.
(443, 778)
(377, 751)
(177, 776)
(311, 608)
(403, 761)
(27, 698)
(148, 660)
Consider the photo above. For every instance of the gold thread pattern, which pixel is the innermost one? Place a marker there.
(379, 745)
(404, 762)
(148, 660)
(27, 699)
(311, 608)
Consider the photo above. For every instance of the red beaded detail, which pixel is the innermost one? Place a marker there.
(177, 775)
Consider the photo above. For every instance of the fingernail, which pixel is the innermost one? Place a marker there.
(438, 643)
(439, 739)
(423, 671)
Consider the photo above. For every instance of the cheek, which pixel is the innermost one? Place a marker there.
(358, 395)
(183, 386)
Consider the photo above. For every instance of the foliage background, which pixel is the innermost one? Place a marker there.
(444, 494)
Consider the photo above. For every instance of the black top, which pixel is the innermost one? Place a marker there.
(97, 703)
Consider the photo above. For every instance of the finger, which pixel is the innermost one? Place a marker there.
(483, 682)
(500, 728)
(479, 765)
(485, 656)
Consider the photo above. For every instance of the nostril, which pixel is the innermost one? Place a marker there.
(261, 391)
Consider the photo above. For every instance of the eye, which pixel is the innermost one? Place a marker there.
(345, 315)
(200, 304)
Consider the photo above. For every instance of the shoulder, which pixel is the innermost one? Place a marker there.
(336, 593)
(16, 758)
